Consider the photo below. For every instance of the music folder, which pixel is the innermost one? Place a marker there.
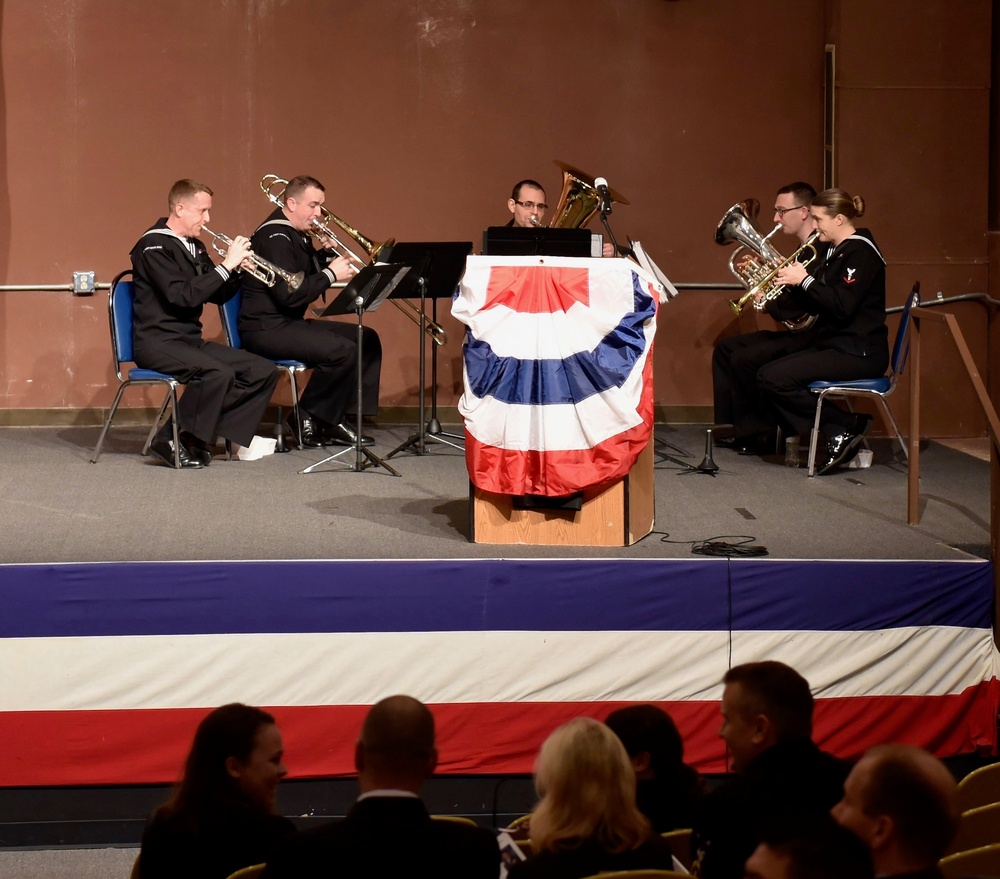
(541, 241)
(372, 285)
(440, 263)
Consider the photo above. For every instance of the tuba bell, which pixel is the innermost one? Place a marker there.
(757, 267)
(579, 200)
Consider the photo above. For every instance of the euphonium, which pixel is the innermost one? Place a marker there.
(321, 229)
(264, 271)
(757, 268)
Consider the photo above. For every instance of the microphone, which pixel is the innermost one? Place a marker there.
(601, 185)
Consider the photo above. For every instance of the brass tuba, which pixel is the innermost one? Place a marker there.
(322, 229)
(757, 268)
(579, 199)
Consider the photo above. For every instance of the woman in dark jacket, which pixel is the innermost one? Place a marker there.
(221, 816)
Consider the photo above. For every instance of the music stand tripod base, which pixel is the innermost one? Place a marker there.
(365, 292)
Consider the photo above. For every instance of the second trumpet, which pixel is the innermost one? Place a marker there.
(264, 271)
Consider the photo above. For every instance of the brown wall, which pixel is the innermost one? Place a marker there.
(419, 116)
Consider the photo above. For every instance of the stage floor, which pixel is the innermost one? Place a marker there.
(58, 507)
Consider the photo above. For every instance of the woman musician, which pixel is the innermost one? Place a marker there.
(845, 286)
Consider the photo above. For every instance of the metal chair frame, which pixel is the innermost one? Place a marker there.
(873, 388)
(120, 317)
(229, 313)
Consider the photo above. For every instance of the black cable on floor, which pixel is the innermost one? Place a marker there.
(724, 546)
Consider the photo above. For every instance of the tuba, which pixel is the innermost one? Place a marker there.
(756, 262)
(579, 199)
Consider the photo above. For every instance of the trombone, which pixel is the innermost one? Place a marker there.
(321, 229)
(264, 271)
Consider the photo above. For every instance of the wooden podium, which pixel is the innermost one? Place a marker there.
(615, 514)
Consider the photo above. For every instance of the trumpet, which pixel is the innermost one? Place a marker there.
(264, 271)
(322, 230)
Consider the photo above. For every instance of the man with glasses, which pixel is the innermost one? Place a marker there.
(527, 204)
(737, 396)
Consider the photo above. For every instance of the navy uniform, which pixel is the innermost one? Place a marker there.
(227, 390)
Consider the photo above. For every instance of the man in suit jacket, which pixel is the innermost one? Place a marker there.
(388, 831)
(767, 711)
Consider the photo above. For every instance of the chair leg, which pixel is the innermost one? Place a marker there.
(295, 406)
(895, 429)
(156, 421)
(107, 423)
(814, 436)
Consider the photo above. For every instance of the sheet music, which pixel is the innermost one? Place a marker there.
(655, 271)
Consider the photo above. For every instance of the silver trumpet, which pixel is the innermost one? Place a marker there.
(264, 271)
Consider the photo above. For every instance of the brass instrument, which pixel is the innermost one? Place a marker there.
(579, 199)
(757, 268)
(321, 229)
(264, 271)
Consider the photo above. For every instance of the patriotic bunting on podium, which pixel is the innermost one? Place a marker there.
(558, 371)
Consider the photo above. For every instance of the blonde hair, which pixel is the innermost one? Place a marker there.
(587, 788)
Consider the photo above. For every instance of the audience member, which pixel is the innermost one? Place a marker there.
(902, 803)
(587, 820)
(667, 790)
(221, 816)
(388, 831)
(815, 847)
(767, 727)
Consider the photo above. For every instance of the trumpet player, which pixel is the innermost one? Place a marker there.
(226, 389)
(273, 322)
(736, 359)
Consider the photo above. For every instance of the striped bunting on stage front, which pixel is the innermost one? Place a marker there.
(107, 668)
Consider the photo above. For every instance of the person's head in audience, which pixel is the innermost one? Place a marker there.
(586, 787)
(396, 748)
(235, 758)
(763, 704)
(651, 740)
(808, 847)
(901, 801)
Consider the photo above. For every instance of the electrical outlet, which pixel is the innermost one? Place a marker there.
(83, 283)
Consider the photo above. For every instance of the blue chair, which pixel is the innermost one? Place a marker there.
(229, 312)
(873, 388)
(120, 300)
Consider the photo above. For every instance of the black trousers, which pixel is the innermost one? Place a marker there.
(736, 360)
(226, 389)
(330, 348)
(785, 384)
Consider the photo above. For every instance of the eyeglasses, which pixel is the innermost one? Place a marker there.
(531, 205)
(782, 211)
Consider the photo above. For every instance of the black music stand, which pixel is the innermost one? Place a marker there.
(438, 266)
(366, 292)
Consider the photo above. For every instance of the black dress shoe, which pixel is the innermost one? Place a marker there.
(756, 444)
(312, 438)
(343, 435)
(164, 448)
(726, 442)
(842, 448)
(196, 449)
